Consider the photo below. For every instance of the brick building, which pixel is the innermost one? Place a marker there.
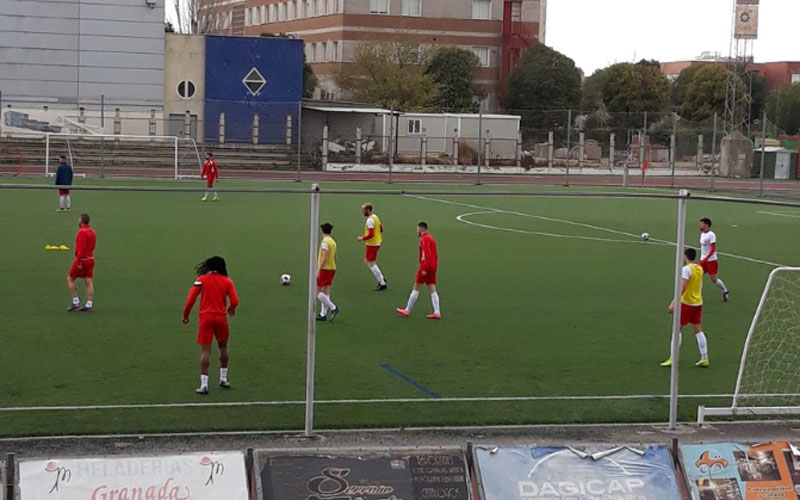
(777, 74)
(497, 31)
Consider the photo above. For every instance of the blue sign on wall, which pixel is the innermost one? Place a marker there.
(245, 76)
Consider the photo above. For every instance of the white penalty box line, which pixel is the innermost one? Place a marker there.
(488, 399)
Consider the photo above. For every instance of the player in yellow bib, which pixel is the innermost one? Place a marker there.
(692, 304)
(373, 237)
(326, 270)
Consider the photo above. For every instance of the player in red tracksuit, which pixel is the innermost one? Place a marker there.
(214, 288)
(210, 173)
(83, 266)
(426, 275)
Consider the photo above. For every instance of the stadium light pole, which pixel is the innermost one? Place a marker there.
(312, 299)
(676, 314)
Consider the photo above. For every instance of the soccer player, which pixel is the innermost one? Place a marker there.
(83, 266)
(691, 305)
(426, 275)
(708, 256)
(373, 237)
(64, 178)
(326, 270)
(210, 173)
(215, 288)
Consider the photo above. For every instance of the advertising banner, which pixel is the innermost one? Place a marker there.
(560, 473)
(730, 471)
(198, 476)
(417, 475)
(746, 21)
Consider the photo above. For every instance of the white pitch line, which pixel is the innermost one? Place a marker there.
(148, 406)
(779, 215)
(463, 218)
(574, 223)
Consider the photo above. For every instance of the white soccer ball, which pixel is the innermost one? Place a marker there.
(286, 279)
(645, 236)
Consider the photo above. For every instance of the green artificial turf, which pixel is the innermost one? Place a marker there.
(525, 314)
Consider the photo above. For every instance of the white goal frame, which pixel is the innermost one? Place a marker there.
(735, 409)
(175, 148)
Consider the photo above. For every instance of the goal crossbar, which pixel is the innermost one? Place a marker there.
(735, 409)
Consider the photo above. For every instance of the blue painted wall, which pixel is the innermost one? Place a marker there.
(228, 61)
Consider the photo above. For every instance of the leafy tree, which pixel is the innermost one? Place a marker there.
(680, 84)
(541, 87)
(704, 93)
(390, 74)
(451, 69)
(783, 108)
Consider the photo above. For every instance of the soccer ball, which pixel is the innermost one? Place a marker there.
(286, 279)
(645, 236)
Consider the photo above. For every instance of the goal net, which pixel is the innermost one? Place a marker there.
(124, 155)
(768, 382)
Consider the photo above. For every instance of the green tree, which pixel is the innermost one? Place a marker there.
(451, 69)
(628, 88)
(783, 108)
(704, 93)
(541, 87)
(680, 84)
(390, 74)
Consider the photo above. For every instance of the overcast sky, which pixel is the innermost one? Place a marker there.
(596, 33)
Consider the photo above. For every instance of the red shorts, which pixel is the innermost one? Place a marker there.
(212, 326)
(82, 269)
(210, 183)
(691, 315)
(63, 192)
(428, 279)
(325, 277)
(372, 253)
(710, 266)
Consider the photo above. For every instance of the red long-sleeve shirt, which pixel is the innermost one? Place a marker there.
(214, 290)
(85, 241)
(428, 254)
(210, 170)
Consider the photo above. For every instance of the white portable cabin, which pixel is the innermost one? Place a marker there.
(441, 129)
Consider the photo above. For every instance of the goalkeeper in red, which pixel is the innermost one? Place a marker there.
(426, 275)
(210, 173)
(214, 288)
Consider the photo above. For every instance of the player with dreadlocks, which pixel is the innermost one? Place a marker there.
(214, 287)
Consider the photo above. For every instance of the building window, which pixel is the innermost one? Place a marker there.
(481, 9)
(412, 7)
(324, 51)
(414, 127)
(186, 89)
(290, 8)
(334, 51)
(247, 17)
(483, 56)
(795, 78)
(378, 6)
(299, 9)
(313, 57)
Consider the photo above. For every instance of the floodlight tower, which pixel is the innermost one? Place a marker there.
(738, 96)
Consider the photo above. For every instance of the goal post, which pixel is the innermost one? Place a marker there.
(125, 155)
(769, 370)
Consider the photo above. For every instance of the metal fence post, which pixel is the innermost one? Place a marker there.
(358, 146)
(391, 143)
(569, 129)
(550, 144)
(480, 143)
(11, 479)
(299, 137)
(714, 152)
(763, 156)
(102, 139)
(581, 149)
(700, 161)
(673, 151)
(424, 153)
(255, 127)
(312, 302)
(519, 151)
(676, 314)
(289, 130)
(324, 148)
